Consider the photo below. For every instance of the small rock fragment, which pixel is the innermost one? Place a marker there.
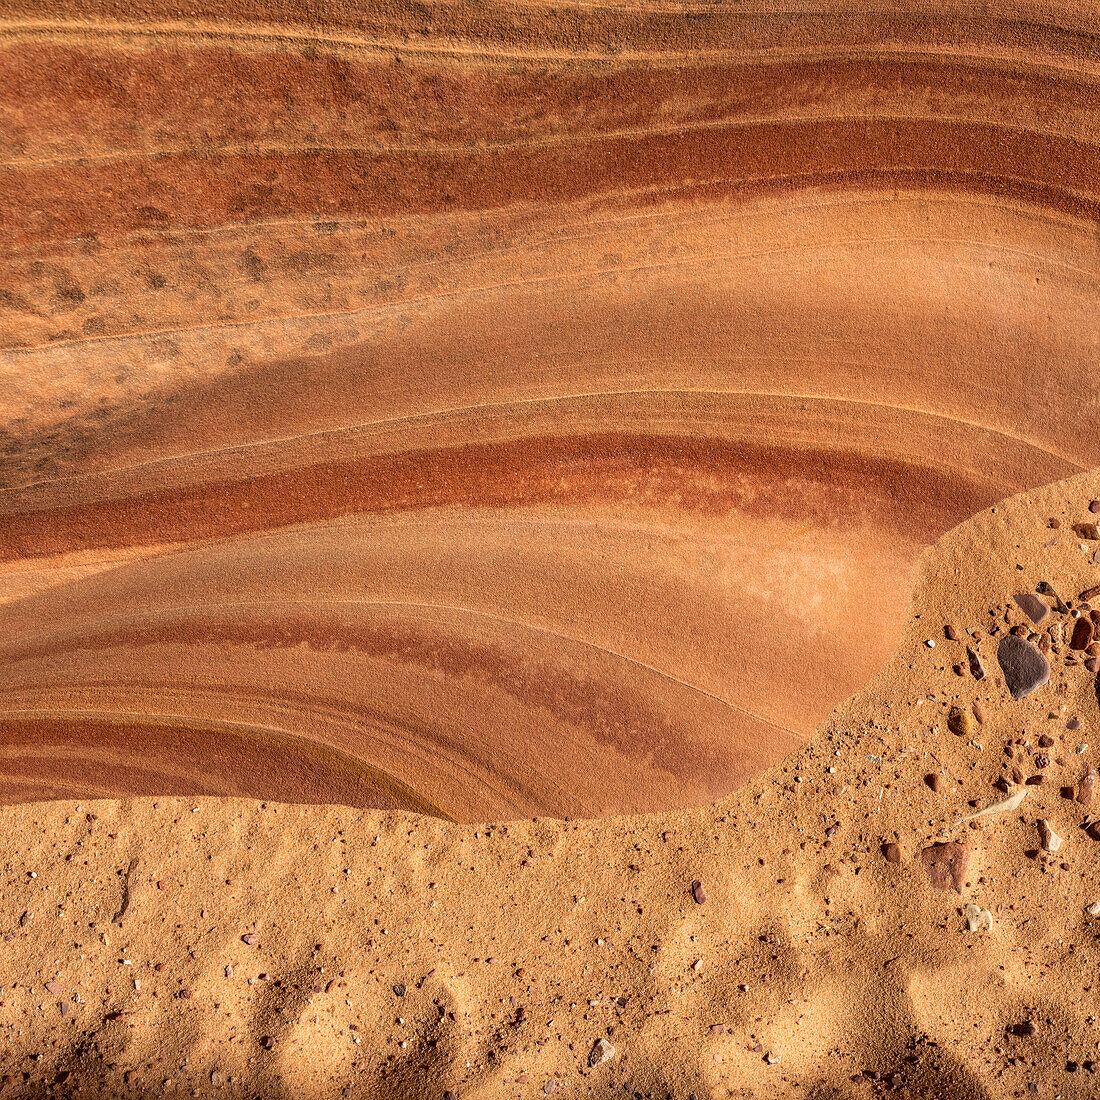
(1086, 789)
(1033, 607)
(1023, 666)
(602, 1051)
(697, 892)
(977, 669)
(1003, 806)
(934, 781)
(892, 852)
(1088, 531)
(1081, 637)
(961, 722)
(977, 917)
(1093, 909)
(1048, 838)
(946, 865)
(250, 938)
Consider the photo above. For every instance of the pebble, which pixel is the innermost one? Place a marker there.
(946, 865)
(1081, 638)
(1048, 838)
(930, 642)
(1094, 505)
(977, 917)
(961, 722)
(549, 1087)
(977, 669)
(1024, 667)
(1033, 607)
(250, 938)
(1086, 789)
(697, 892)
(950, 633)
(1093, 909)
(602, 1051)
(1088, 531)
(935, 781)
(892, 852)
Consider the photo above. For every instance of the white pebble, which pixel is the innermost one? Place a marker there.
(1049, 839)
(977, 917)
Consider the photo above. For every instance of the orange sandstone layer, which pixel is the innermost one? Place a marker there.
(491, 409)
(806, 936)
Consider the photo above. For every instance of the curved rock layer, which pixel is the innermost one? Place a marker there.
(505, 409)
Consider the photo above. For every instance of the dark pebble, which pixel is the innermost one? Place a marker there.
(1081, 637)
(400, 989)
(1024, 667)
(892, 852)
(697, 892)
(267, 1042)
(1033, 607)
(935, 781)
(977, 669)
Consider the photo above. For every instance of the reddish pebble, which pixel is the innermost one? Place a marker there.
(697, 892)
(946, 865)
(1086, 790)
(267, 1042)
(935, 781)
(250, 938)
(892, 852)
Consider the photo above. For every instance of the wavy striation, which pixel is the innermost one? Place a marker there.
(510, 409)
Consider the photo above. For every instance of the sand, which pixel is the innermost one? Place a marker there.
(803, 937)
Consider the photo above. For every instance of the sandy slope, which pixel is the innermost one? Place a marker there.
(212, 947)
(495, 409)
